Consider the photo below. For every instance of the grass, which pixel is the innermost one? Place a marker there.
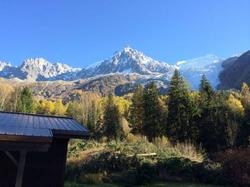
(171, 184)
(92, 163)
(70, 184)
(164, 184)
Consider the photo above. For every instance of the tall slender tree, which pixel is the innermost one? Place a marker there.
(136, 111)
(213, 115)
(93, 115)
(180, 110)
(152, 126)
(206, 91)
(112, 127)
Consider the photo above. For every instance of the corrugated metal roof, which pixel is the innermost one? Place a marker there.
(40, 126)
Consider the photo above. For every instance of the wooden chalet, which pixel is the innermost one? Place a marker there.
(33, 149)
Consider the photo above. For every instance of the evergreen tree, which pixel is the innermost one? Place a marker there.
(151, 124)
(25, 101)
(213, 117)
(181, 111)
(112, 128)
(136, 111)
(206, 91)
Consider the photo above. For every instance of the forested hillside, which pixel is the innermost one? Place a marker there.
(183, 130)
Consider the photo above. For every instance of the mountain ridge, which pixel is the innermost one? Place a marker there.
(128, 61)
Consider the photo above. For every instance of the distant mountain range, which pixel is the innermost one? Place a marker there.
(134, 67)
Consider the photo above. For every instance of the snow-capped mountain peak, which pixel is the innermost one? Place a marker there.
(40, 69)
(35, 69)
(3, 65)
(127, 61)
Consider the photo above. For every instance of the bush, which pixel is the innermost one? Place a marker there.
(236, 165)
(188, 150)
(92, 178)
(211, 173)
(176, 168)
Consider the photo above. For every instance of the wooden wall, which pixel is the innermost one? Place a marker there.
(42, 169)
(7, 170)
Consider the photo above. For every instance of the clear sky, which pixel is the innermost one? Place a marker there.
(81, 32)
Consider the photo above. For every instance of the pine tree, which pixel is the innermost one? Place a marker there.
(152, 124)
(213, 117)
(206, 124)
(136, 111)
(206, 91)
(181, 111)
(112, 120)
(25, 101)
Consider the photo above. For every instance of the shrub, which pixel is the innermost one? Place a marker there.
(236, 165)
(210, 172)
(176, 168)
(92, 178)
(189, 150)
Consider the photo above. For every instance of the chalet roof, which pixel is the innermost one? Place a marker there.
(38, 128)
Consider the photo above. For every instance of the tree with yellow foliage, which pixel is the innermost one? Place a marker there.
(5, 92)
(244, 137)
(235, 106)
(45, 107)
(59, 108)
(234, 119)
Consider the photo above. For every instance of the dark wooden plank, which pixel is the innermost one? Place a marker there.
(20, 169)
(29, 146)
(11, 157)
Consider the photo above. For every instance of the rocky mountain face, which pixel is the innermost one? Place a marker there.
(236, 71)
(127, 68)
(36, 69)
(124, 64)
(128, 61)
(4, 65)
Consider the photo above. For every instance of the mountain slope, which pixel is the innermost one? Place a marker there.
(36, 69)
(128, 61)
(236, 72)
(192, 70)
(4, 65)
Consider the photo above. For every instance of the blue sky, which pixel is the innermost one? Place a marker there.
(81, 32)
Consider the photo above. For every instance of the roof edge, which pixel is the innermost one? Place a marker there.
(33, 114)
(69, 134)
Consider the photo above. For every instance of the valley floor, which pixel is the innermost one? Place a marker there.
(164, 184)
(137, 162)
